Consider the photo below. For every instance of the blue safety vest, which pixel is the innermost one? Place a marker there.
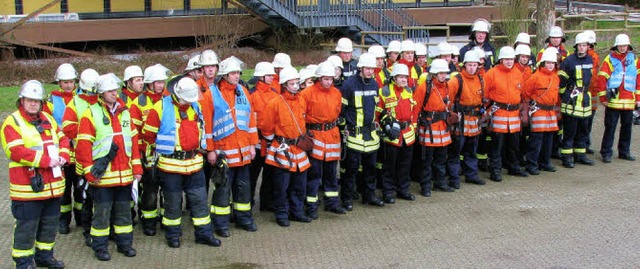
(627, 73)
(166, 139)
(223, 123)
(59, 106)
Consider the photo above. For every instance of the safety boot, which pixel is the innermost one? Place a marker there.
(567, 161)
(582, 159)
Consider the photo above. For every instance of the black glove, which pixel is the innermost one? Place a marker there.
(392, 130)
(100, 165)
(37, 184)
(219, 171)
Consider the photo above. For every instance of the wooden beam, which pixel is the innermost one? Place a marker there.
(50, 48)
(31, 15)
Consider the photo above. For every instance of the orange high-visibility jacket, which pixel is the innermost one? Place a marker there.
(280, 123)
(593, 88)
(237, 145)
(542, 88)
(525, 70)
(398, 103)
(624, 100)
(28, 153)
(470, 99)
(188, 133)
(504, 86)
(122, 168)
(323, 107)
(437, 134)
(260, 98)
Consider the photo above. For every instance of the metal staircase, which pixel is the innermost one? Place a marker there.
(377, 18)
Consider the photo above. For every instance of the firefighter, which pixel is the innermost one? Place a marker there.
(593, 89)
(525, 39)
(175, 128)
(432, 109)
(285, 128)
(407, 57)
(344, 48)
(58, 100)
(282, 60)
(523, 60)
(359, 100)
(262, 94)
(192, 71)
(74, 111)
(393, 53)
(381, 72)
(134, 84)
(503, 85)
(484, 140)
(482, 65)
(455, 58)
(154, 80)
(323, 103)
(37, 150)
(467, 93)
(555, 39)
(618, 85)
(540, 97)
(395, 114)
(421, 61)
(230, 119)
(108, 152)
(308, 76)
(338, 79)
(209, 64)
(480, 37)
(575, 77)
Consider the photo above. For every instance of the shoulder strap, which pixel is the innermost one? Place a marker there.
(459, 78)
(385, 90)
(123, 96)
(427, 94)
(142, 99)
(293, 117)
(418, 69)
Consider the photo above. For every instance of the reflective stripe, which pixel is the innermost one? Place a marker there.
(201, 221)
(566, 151)
(223, 123)
(331, 193)
(220, 210)
(171, 222)
(99, 232)
(45, 246)
(77, 206)
(65, 208)
(19, 253)
(312, 199)
(122, 229)
(149, 214)
(242, 206)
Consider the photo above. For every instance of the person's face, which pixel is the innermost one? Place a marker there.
(471, 68)
(307, 83)
(32, 106)
(367, 72)
(623, 48)
(421, 60)
(408, 56)
(233, 77)
(268, 79)
(210, 71)
(393, 56)
(524, 59)
(446, 57)
(549, 65)
(442, 76)
(402, 80)
(110, 97)
(326, 82)
(380, 62)
(136, 84)
(293, 85)
(67, 85)
(582, 48)
(454, 59)
(345, 56)
(508, 62)
(196, 73)
(338, 72)
(481, 37)
(157, 86)
(555, 41)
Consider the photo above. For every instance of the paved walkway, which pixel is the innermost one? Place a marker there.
(586, 217)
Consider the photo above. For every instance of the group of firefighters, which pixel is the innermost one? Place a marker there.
(100, 147)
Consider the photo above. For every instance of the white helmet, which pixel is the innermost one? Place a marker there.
(263, 68)
(523, 50)
(308, 72)
(32, 89)
(131, 72)
(455, 50)
(471, 57)
(552, 49)
(229, 65)
(507, 52)
(523, 38)
(66, 71)
(480, 52)
(407, 45)
(377, 50)
(344, 45)
(155, 72)
(325, 69)
(556, 31)
(193, 63)
(400, 69)
(281, 60)
(481, 25)
(187, 89)
(367, 60)
(421, 49)
(443, 48)
(107, 82)
(438, 66)
(208, 57)
(394, 46)
(336, 61)
(88, 79)
(288, 73)
(549, 55)
(622, 39)
(582, 38)
(591, 35)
